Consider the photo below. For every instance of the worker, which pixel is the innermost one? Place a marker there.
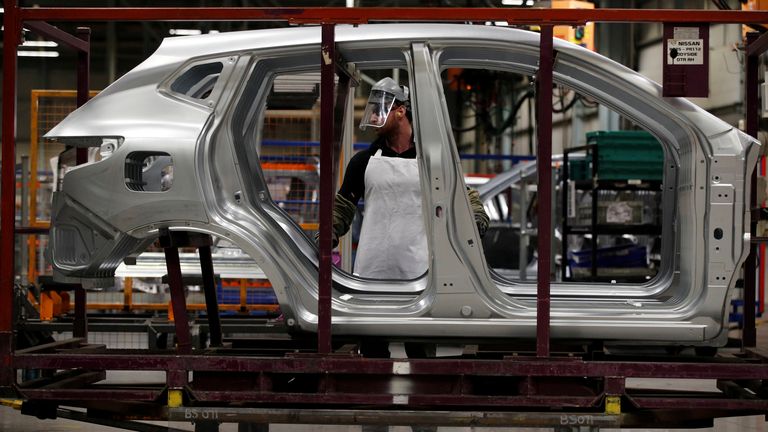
(393, 242)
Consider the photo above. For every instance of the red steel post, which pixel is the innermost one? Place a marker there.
(80, 325)
(178, 297)
(748, 335)
(11, 39)
(83, 81)
(209, 289)
(327, 71)
(544, 189)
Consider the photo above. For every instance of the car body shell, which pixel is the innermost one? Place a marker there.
(218, 188)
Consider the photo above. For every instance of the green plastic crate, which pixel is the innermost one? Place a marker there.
(579, 169)
(627, 155)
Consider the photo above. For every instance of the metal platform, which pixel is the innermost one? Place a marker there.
(484, 386)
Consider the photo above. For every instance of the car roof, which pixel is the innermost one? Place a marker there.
(175, 51)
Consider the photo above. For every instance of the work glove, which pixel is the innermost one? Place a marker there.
(481, 217)
(334, 240)
(343, 214)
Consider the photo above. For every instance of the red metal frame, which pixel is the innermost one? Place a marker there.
(516, 384)
(83, 82)
(363, 15)
(11, 38)
(544, 189)
(334, 369)
(562, 367)
(178, 297)
(327, 195)
(755, 46)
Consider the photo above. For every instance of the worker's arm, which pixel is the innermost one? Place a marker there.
(343, 213)
(352, 189)
(481, 217)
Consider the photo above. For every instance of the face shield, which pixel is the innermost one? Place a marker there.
(377, 109)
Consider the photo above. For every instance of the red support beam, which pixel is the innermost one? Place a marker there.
(748, 335)
(209, 289)
(83, 81)
(55, 34)
(520, 366)
(83, 65)
(178, 297)
(14, 16)
(80, 324)
(11, 39)
(327, 72)
(32, 230)
(758, 45)
(364, 15)
(544, 189)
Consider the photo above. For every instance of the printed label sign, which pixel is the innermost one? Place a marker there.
(685, 51)
(686, 60)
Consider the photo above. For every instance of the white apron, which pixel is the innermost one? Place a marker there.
(393, 242)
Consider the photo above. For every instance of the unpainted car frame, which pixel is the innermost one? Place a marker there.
(218, 188)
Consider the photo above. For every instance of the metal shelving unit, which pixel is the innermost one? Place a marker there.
(594, 185)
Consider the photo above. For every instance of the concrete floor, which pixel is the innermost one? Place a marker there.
(13, 421)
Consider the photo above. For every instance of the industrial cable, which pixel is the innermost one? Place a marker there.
(510, 120)
(563, 107)
(484, 117)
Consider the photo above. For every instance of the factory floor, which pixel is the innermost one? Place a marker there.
(12, 420)
(19, 423)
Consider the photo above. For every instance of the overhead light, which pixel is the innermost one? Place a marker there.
(513, 2)
(38, 53)
(46, 44)
(185, 32)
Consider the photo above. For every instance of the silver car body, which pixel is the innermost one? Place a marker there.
(218, 188)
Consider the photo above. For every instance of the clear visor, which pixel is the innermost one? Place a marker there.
(377, 109)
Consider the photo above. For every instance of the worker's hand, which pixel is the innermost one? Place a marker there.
(481, 217)
(343, 213)
(334, 240)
